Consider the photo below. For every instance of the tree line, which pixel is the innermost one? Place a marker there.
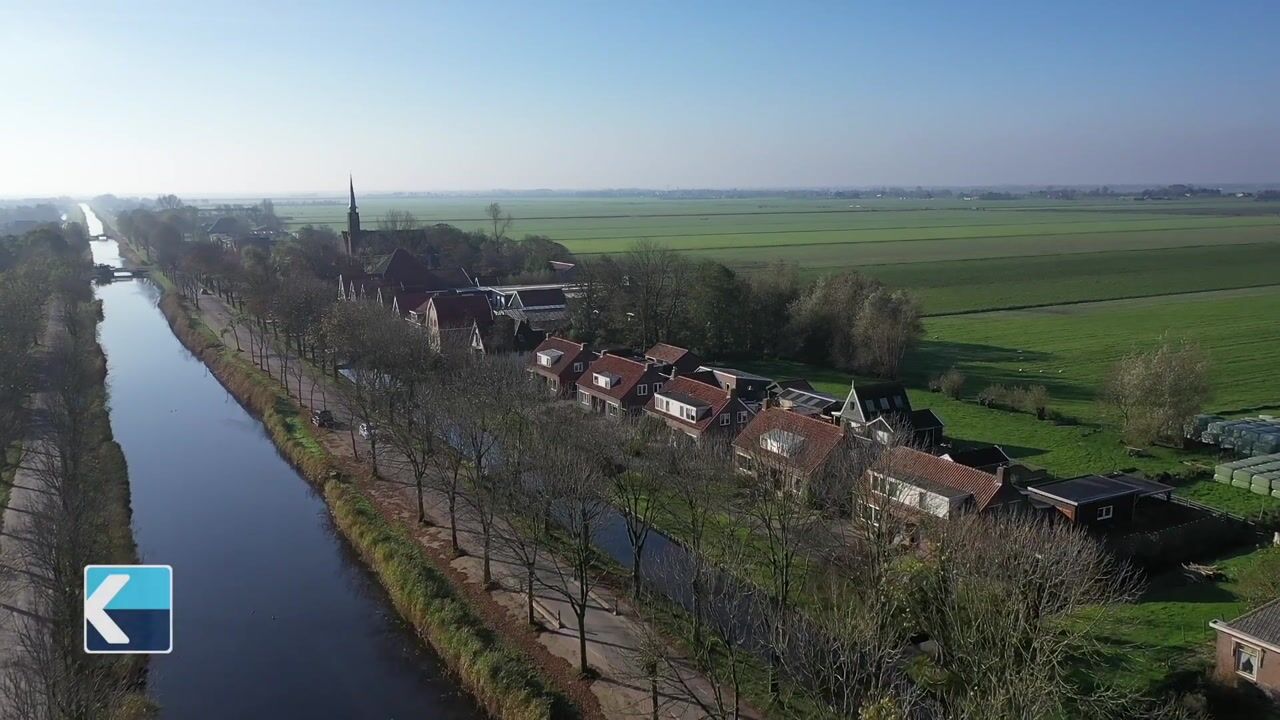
(79, 512)
(652, 293)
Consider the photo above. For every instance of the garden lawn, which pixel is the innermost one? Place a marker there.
(1167, 630)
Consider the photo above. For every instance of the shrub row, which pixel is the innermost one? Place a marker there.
(504, 681)
(1033, 399)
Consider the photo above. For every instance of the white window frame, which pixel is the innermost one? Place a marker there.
(1240, 649)
(577, 367)
(1106, 512)
(742, 416)
(725, 419)
(642, 389)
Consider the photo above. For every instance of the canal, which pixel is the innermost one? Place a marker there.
(274, 615)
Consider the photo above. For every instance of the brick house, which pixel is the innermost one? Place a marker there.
(617, 385)
(792, 450)
(559, 363)
(1248, 649)
(699, 409)
(908, 482)
(672, 360)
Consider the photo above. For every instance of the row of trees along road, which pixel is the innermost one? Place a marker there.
(78, 513)
(831, 601)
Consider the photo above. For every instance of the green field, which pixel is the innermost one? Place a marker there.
(1204, 269)
(1069, 348)
(958, 256)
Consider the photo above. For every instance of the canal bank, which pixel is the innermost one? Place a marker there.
(274, 615)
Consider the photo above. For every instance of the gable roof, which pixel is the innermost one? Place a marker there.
(671, 355)
(563, 366)
(457, 311)
(868, 401)
(629, 373)
(819, 438)
(794, 384)
(908, 465)
(540, 298)
(223, 226)
(689, 391)
(1261, 624)
(401, 268)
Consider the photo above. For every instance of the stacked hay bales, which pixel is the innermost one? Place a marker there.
(1259, 475)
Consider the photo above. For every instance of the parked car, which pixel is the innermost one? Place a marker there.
(322, 418)
(368, 430)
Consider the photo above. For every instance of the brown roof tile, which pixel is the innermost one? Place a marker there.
(630, 373)
(563, 367)
(820, 438)
(907, 463)
(685, 389)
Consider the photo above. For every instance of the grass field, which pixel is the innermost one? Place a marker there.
(1069, 348)
(958, 256)
(1204, 269)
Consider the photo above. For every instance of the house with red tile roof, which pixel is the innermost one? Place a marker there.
(452, 319)
(791, 449)
(559, 363)
(675, 360)
(617, 385)
(698, 409)
(909, 482)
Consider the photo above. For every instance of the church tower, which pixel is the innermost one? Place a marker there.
(353, 220)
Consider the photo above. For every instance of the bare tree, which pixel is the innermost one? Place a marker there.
(576, 465)
(396, 220)
(501, 223)
(1155, 392)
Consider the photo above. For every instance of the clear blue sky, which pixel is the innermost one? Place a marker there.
(270, 97)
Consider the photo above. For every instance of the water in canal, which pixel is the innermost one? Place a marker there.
(274, 616)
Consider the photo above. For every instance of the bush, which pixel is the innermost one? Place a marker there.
(1033, 400)
(949, 383)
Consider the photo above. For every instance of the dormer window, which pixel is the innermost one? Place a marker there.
(604, 380)
(547, 358)
(781, 442)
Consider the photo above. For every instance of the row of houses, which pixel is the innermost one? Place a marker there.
(455, 310)
(786, 430)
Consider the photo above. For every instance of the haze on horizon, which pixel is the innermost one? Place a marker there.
(280, 97)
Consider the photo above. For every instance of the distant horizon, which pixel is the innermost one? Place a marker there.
(341, 193)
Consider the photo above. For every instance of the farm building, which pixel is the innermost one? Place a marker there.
(1098, 499)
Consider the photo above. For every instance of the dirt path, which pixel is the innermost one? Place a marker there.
(18, 611)
(613, 632)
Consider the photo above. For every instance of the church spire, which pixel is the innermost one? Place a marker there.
(352, 235)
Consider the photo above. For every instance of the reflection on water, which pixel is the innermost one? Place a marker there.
(273, 615)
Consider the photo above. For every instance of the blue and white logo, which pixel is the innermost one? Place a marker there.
(128, 609)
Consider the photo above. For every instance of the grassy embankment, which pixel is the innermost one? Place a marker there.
(110, 467)
(505, 682)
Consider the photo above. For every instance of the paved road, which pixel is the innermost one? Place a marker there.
(613, 637)
(18, 607)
